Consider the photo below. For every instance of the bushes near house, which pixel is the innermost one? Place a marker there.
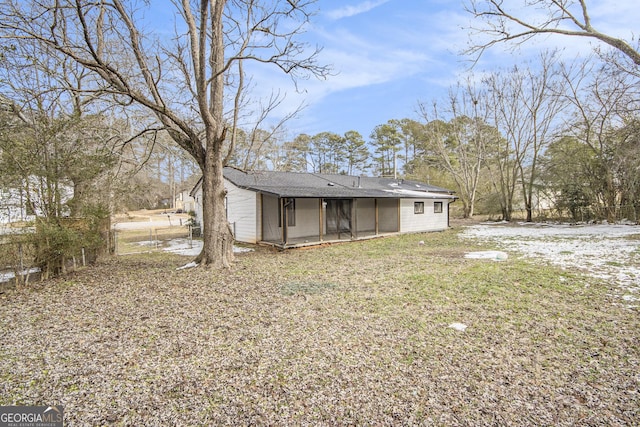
(16, 256)
(61, 242)
(54, 246)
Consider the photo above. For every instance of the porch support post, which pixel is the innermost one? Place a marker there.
(354, 219)
(261, 218)
(377, 216)
(283, 218)
(320, 221)
(338, 218)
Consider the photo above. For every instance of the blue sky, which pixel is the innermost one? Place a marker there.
(388, 55)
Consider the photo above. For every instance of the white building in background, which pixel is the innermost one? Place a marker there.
(184, 201)
(14, 206)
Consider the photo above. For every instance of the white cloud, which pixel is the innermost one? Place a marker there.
(380, 55)
(360, 61)
(356, 68)
(347, 11)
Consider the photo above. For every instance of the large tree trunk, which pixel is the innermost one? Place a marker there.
(217, 251)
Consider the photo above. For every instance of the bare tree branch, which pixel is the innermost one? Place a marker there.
(181, 80)
(503, 25)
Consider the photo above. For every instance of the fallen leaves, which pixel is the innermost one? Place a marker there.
(320, 337)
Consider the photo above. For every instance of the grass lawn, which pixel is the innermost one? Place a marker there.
(138, 241)
(350, 334)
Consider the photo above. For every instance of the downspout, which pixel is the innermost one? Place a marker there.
(449, 212)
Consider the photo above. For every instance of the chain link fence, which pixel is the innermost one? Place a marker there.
(18, 265)
(156, 239)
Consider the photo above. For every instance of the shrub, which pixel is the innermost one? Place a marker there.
(16, 254)
(60, 239)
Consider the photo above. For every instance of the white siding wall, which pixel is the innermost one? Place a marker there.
(13, 207)
(241, 213)
(197, 205)
(428, 221)
(13, 202)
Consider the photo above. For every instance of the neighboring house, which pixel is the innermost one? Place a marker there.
(184, 201)
(14, 206)
(288, 209)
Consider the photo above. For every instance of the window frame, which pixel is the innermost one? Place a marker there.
(291, 212)
(418, 208)
(438, 207)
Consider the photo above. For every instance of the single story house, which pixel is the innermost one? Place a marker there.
(184, 201)
(290, 209)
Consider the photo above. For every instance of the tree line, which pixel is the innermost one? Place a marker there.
(552, 134)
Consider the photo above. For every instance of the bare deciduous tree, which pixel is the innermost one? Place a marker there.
(56, 138)
(259, 142)
(527, 106)
(180, 80)
(514, 22)
(605, 107)
(459, 145)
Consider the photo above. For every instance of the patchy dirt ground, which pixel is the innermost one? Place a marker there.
(352, 334)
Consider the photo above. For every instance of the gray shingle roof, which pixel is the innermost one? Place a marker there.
(301, 185)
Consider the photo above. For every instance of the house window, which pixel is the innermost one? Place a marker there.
(418, 207)
(437, 207)
(290, 206)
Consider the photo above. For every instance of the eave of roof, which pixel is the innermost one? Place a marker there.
(311, 185)
(344, 193)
